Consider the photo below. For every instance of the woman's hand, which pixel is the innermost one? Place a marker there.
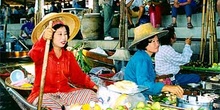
(175, 89)
(48, 32)
(95, 87)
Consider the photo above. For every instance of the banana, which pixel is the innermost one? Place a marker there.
(27, 85)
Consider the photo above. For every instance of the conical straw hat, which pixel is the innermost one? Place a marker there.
(145, 31)
(69, 19)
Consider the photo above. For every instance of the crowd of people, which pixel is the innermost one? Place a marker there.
(145, 11)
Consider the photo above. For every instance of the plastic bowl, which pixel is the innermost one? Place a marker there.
(16, 75)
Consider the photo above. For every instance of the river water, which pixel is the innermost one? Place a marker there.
(6, 101)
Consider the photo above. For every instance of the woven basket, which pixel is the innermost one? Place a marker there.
(8, 83)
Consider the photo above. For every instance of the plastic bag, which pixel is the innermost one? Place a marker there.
(112, 99)
(119, 75)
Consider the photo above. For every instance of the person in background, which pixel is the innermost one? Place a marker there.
(7, 13)
(218, 10)
(62, 67)
(59, 6)
(168, 61)
(27, 27)
(30, 11)
(156, 6)
(140, 68)
(53, 8)
(180, 4)
(108, 13)
(75, 4)
(134, 8)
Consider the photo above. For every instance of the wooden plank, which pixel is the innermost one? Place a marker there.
(98, 57)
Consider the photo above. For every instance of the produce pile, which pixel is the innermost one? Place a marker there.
(166, 98)
(111, 100)
(139, 106)
(201, 66)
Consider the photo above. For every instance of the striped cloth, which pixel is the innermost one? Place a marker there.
(55, 101)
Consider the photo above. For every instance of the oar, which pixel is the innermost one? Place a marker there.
(44, 71)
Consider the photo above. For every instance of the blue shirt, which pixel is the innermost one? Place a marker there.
(136, 3)
(168, 61)
(140, 70)
(193, 3)
(28, 27)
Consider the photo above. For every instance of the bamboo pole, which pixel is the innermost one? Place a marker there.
(210, 34)
(203, 39)
(211, 31)
(206, 28)
(215, 48)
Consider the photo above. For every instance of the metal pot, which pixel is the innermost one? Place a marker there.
(195, 102)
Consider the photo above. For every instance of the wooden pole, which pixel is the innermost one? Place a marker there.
(44, 71)
(122, 24)
(96, 6)
(38, 11)
(211, 32)
(38, 16)
(203, 37)
(215, 47)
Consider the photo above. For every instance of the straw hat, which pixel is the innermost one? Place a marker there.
(145, 31)
(69, 19)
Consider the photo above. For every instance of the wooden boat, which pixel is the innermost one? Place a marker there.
(19, 94)
(99, 59)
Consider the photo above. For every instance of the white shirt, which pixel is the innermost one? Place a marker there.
(168, 61)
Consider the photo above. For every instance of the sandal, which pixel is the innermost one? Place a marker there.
(189, 25)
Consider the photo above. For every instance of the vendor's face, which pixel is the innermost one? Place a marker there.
(60, 37)
(153, 46)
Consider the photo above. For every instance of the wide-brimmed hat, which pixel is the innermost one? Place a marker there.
(145, 31)
(69, 19)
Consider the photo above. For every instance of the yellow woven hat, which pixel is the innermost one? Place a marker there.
(145, 31)
(69, 19)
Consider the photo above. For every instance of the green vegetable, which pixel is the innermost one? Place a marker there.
(83, 61)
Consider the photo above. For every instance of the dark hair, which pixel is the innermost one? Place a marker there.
(29, 17)
(57, 26)
(166, 40)
(144, 43)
